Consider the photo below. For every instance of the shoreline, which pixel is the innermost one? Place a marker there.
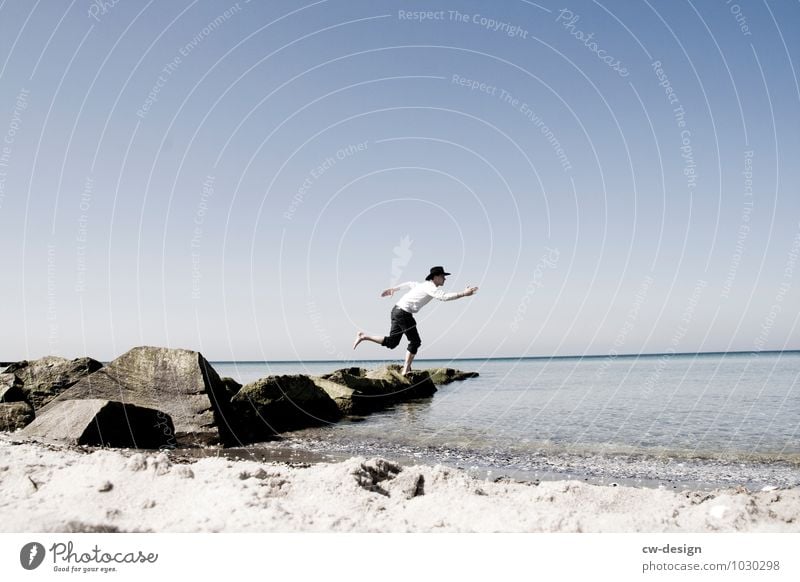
(636, 469)
(53, 488)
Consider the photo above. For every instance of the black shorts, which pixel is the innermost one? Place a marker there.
(402, 323)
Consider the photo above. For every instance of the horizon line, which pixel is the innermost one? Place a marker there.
(474, 358)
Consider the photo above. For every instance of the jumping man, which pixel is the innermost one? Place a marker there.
(403, 312)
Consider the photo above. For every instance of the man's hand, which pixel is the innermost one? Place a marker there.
(387, 292)
(470, 291)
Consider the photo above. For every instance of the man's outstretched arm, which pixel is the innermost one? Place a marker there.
(439, 294)
(392, 290)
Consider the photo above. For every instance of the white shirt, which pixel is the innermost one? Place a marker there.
(421, 294)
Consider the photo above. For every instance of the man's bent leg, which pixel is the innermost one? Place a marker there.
(407, 365)
(414, 342)
(391, 341)
(361, 336)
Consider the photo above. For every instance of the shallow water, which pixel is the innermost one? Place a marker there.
(711, 418)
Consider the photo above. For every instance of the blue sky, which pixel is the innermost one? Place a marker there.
(244, 178)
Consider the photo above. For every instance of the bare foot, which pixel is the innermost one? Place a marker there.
(404, 372)
(359, 338)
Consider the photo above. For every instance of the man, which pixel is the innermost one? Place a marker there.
(403, 312)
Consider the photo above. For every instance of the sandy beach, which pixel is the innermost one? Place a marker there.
(49, 488)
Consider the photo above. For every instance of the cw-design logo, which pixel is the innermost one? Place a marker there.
(31, 555)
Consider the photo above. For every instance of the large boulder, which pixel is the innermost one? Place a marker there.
(179, 382)
(44, 379)
(15, 415)
(99, 422)
(277, 404)
(361, 391)
(441, 376)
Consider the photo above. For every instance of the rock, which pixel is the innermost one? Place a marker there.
(99, 422)
(408, 485)
(417, 384)
(441, 376)
(276, 404)
(15, 415)
(359, 391)
(181, 383)
(372, 473)
(231, 386)
(10, 388)
(46, 378)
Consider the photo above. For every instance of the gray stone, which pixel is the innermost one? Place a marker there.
(15, 415)
(46, 378)
(179, 382)
(10, 388)
(373, 474)
(277, 404)
(231, 386)
(441, 376)
(360, 391)
(99, 422)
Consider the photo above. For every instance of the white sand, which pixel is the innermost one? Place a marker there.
(55, 489)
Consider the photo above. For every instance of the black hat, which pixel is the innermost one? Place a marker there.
(435, 271)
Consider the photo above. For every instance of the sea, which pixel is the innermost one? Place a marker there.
(662, 420)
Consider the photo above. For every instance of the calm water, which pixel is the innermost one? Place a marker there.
(523, 413)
